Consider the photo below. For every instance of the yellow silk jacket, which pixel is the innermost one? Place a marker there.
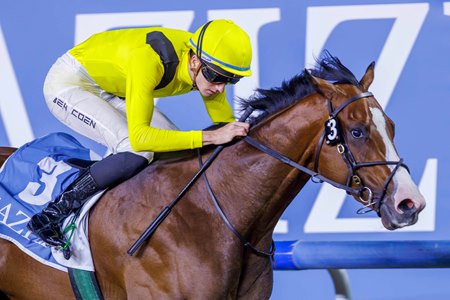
(122, 63)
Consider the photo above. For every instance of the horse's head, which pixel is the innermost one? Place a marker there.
(357, 150)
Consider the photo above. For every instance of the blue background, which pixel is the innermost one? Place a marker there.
(37, 32)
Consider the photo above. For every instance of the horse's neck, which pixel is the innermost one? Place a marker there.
(261, 187)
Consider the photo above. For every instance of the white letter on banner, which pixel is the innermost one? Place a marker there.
(12, 107)
(446, 8)
(321, 21)
(88, 24)
(251, 20)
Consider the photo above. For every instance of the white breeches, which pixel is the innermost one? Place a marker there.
(78, 102)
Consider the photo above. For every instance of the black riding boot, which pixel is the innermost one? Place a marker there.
(47, 224)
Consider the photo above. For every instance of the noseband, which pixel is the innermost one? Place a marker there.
(333, 136)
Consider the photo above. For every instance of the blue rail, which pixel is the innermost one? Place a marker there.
(298, 255)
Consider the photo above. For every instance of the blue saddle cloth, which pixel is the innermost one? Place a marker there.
(33, 176)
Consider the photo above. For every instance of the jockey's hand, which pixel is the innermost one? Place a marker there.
(225, 134)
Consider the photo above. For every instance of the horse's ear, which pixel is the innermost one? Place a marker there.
(321, 86)
(367, 79)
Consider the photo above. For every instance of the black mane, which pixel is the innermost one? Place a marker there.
(269, 101)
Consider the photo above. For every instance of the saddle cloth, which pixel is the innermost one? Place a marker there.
(30, 178)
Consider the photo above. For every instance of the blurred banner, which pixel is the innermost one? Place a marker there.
(408, 40)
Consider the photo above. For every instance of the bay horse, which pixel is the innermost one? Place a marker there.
(194, 254)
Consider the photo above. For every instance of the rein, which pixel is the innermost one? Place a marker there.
(332, 134)
(277, 155)
(166, 210)
(228, 223)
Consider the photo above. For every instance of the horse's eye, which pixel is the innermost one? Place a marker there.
(357, 133)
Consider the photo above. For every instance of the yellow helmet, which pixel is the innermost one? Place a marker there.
(223, 44)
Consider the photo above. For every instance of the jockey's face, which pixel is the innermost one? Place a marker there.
(206, 88)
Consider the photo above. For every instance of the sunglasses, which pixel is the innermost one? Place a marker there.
(214, 77)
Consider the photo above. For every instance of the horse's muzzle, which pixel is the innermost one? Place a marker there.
(405, 213)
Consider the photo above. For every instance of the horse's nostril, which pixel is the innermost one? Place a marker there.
(406, 205)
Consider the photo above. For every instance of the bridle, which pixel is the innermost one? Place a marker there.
(332, 134)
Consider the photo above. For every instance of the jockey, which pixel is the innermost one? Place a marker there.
(104, 89)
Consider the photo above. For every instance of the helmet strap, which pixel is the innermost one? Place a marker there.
(195, 71)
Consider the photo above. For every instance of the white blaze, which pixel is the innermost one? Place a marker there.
(405, 187)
